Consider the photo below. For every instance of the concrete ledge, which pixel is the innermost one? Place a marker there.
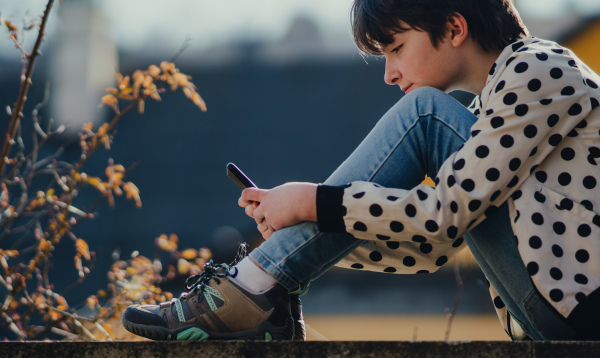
(149, 349)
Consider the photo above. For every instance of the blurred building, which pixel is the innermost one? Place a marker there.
(83, 63)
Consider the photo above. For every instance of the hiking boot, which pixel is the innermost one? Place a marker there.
(216, 308)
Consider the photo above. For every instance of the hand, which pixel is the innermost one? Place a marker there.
(280, 207)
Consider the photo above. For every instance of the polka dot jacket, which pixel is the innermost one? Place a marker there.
(535, 145)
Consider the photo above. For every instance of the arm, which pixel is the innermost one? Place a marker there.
(521, 122)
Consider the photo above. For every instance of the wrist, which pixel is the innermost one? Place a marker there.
(308, 208)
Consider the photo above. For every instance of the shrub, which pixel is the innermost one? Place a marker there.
(36, 221)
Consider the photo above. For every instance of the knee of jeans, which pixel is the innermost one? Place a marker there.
(422, 100)
(422, 94)
(426, 92)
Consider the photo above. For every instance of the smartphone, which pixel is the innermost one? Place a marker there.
(238, 177)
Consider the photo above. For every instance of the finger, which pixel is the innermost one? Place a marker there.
(265, 231)
(249, 211)
(258, 214)
(259, 219)
(262, 228)
(253, 194)
(244, 203)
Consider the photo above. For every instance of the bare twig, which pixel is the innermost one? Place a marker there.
(25, 82)
(186, 43)
(459, 292)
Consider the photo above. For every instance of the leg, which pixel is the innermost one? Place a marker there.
(494, 246)
(412, 139)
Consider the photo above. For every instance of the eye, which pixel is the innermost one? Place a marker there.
(396, 49)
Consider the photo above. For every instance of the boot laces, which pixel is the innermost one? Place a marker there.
(196, 283)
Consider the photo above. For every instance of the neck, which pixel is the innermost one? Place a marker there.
(476, 68)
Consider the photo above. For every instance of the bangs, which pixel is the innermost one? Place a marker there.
(373, 27)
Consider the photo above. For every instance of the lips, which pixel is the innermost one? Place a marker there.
(406, 89)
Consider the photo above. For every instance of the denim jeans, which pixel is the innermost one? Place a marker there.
(410, 141)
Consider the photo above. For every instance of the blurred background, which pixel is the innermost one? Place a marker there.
(288, 96)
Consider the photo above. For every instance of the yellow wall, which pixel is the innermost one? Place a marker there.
(586, 45)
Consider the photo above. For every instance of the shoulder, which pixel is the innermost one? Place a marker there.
(532, 54)
(534, 67)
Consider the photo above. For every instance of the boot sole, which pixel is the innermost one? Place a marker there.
(264, 331)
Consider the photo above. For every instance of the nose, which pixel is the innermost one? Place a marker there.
(392, 74)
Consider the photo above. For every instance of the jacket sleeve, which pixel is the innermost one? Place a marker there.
(531, 102)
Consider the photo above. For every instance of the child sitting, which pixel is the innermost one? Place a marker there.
(516, 176)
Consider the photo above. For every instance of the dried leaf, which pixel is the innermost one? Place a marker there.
(153, 71)
(11, 27)
(92, 302)
(109, 100)
(138, 79)
(78, 263)
(82, 249)
(148, 81)
(87, 127)
(61, 301)
(188, 92)
(181, 79)
(205, 253)
(198, 101)
(132, 192)
(189, 254)
(124, 84)
(183, 267)
(43, 245)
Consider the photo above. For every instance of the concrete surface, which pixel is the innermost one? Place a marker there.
(149, 349)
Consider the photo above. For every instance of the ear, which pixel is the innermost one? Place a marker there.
(457, 28)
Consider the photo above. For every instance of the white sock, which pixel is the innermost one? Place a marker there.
(251, 277)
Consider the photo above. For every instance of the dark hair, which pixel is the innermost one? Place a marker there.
(492, 23)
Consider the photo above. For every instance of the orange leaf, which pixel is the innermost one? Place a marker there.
(153, 71)
(181, 79)
(109, 100)
(198, 101)
(183, 267)
(91, 302)
(189, 254)
(132, 192)
(87, 127)
(10, 26)
(78, 264)
(82, 249)
(205, 253)
(124, 84)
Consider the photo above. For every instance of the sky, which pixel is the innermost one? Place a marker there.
(136, 24)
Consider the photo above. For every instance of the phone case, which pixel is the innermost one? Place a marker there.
(238, 177)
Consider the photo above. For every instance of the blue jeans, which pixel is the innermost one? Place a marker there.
(411, 140)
